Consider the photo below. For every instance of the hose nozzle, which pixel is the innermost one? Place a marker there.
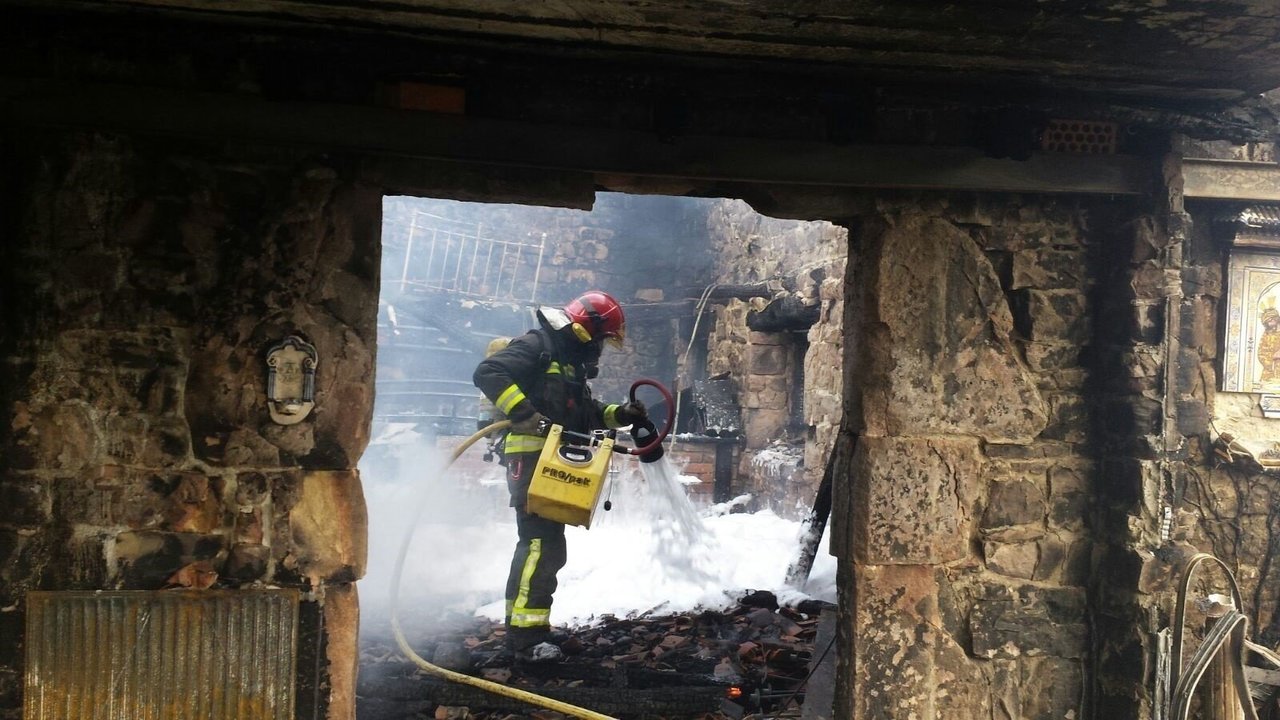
(644, 433)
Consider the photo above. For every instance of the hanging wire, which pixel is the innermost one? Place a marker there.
(684, 362)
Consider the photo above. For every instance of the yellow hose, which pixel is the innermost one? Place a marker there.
(493, 687)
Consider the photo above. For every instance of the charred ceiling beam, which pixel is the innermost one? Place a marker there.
(786, 314)
(333, 127)
(659, 311)
(1216, 51)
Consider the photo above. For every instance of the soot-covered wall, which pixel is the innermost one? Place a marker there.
(1001, 388)
(144, 282)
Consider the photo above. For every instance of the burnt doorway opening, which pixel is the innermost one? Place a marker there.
(693, 275)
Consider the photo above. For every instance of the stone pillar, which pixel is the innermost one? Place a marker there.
(938, 375)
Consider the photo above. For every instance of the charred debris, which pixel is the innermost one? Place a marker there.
(754, 660)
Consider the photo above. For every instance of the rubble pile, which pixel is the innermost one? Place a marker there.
(710, 665)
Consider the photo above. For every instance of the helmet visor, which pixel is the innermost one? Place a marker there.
(615, 338)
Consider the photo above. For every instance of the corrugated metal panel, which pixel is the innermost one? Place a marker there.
(173, 655)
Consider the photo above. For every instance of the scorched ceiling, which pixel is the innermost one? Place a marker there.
(1192, 50)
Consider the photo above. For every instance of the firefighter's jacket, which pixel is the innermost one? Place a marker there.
(541, 372)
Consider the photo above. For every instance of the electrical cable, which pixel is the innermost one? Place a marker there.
(693, 336)
(493, 687)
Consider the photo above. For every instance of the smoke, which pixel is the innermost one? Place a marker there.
(460, 525)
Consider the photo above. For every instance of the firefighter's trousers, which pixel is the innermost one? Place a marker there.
(539, 555)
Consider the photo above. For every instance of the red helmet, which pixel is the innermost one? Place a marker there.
(595, 314)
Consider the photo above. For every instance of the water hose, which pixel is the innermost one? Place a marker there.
(493, 687)
(671, 417)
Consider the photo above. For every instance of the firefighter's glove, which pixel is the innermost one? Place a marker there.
(630, 413)
(535, 424)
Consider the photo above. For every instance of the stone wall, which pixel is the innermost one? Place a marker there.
(824, 388)
(995, 532)
(809, 258)
(696, 457)
(1163, 492)
(143, 284)
(1221, 505)
(966, 513)
(1229, 507)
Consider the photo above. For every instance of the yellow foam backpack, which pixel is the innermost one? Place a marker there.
(568, 478)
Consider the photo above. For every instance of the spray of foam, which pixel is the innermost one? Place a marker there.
(680, 542)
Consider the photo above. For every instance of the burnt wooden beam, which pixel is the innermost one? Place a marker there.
(786, 314)
(1202, 50)
(659, 311)
(815, 523)
(641, 313)
(333, 127)
(747, 291)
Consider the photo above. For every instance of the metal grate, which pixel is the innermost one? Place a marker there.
(455, 257)
(1080, 137)
(171, 655)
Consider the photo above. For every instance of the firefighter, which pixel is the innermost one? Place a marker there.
(538, 379)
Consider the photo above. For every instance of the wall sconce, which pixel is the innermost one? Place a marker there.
(291, 380)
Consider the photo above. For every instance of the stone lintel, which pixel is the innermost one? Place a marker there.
(1231, 180)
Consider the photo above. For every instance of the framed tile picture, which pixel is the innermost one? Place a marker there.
(1252, 348)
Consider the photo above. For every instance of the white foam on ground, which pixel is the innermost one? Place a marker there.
(653, 552)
